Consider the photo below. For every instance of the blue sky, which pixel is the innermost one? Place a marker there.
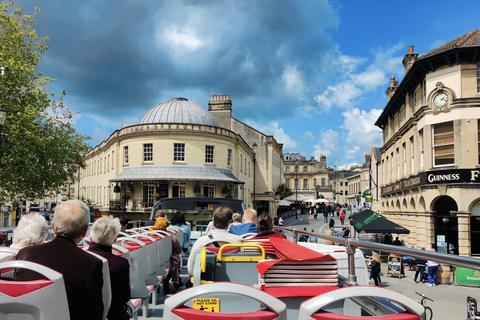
(311, 73)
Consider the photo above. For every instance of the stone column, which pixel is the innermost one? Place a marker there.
(421, 230)
(430, 229)
(464, 238)
(411, 223)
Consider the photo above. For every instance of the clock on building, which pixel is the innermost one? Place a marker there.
(440, 99)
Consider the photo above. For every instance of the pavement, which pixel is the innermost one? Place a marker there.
(449, 300)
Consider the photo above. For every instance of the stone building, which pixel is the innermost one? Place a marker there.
(307, 177)
(179, 149)
(430, 155)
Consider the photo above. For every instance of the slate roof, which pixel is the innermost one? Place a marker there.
(468, 40)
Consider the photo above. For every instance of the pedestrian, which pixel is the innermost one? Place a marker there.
(315, 214)
(419, 269)
(375, 263)
(325, 215)
(342, 218)
(432, 272)
(331, 224)
(346, 232)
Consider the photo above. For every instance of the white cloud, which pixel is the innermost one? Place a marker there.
(292, 81)
(361, 133)
(327, 143)
(185, 38)
(273, 128)
(342, 95)
(99, 135)
(309, 135)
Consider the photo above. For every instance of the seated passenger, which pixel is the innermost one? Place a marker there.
(221, 218)
(237, 219)
(103, 234)
(158, 213)
(178, 220)
(249, 223)
(265, 227)
(174, 270)
(31, 230)
(123, 222)
(82, 272)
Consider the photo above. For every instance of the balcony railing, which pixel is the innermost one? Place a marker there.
(132, 205)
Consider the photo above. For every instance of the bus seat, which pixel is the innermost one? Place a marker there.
(135, 305)
(7, 274)
(241, 297)
(107, 287)
(38, 299)
(313, 308)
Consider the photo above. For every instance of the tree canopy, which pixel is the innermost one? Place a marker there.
(40, 150)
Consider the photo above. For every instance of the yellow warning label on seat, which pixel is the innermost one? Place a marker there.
(210, 305)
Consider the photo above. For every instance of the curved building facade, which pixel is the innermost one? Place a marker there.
(430, 158)
(179, 149)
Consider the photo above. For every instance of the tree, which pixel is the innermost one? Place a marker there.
(41, 149)
(283, 191)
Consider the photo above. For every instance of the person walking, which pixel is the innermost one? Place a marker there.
(342, 218)
(375, 263)
(420, 269)
(331, 224)
(432, 272)
(325, 215)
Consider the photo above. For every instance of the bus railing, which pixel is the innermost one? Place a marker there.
(351, 244)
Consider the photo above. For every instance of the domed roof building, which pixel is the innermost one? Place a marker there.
(179, 149)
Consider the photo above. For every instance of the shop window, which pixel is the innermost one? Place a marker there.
(209, 154)
(148, 152)
(179, 152)
(443, 148)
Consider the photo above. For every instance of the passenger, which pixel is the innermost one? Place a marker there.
(421, 269)
(103, 234)
(221, 218)
(208, 229)
(158, 213)
(174, 270)
(82, 272)
(237, 219)
(31, 230)
(123, 222)
(249, 223)
(265, 227)
(432, 272)
(178, 220)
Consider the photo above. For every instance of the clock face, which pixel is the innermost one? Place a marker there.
(440, 99)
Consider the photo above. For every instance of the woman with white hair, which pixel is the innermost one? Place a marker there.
(32, 229)
(103, 234)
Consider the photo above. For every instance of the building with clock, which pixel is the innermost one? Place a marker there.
(179, 149)
(430, 159)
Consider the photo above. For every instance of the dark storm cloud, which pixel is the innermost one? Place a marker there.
(118, 55)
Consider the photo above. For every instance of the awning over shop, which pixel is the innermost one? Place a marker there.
(177, 173)
(376, 223)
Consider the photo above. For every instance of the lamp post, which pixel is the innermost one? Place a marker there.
(254, 150)
(335, 184)
(296, 189)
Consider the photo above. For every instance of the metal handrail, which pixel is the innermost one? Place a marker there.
(351, 244)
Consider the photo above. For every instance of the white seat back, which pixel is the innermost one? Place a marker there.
(39, 299)
(107, 286)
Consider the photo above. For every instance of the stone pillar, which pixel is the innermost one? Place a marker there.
(411, 225)
(464, 239)
(421, 230)
(430, 229)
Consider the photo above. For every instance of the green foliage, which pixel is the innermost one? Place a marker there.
(283, 191)
(40, 149)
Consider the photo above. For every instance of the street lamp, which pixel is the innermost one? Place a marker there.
(335, 184)
(3, 114)
(296, 188)
(254, 150)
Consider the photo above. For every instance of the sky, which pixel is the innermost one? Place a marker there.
(313, 73)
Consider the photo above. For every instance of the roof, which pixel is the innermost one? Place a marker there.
(468, 40)
(179, 110)
(177, 173)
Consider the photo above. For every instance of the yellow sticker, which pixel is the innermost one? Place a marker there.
(210, 305)
(210, 207)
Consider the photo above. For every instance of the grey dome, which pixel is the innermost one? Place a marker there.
(179, 110)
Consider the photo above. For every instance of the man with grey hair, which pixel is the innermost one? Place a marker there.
(82, 272)
(31, 230)
(103, 234)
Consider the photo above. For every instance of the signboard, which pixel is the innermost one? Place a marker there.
(210, 305)
(210, 207)
(441, 245)
(395, 266)
(162, 190)
(467, 276)
(368, 198)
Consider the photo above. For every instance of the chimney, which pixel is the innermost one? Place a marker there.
(409, 59)
(393, 87)
(367, 157)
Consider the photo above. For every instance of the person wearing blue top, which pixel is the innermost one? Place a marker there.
(178, 219)
(249, 223)
(421, 269)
